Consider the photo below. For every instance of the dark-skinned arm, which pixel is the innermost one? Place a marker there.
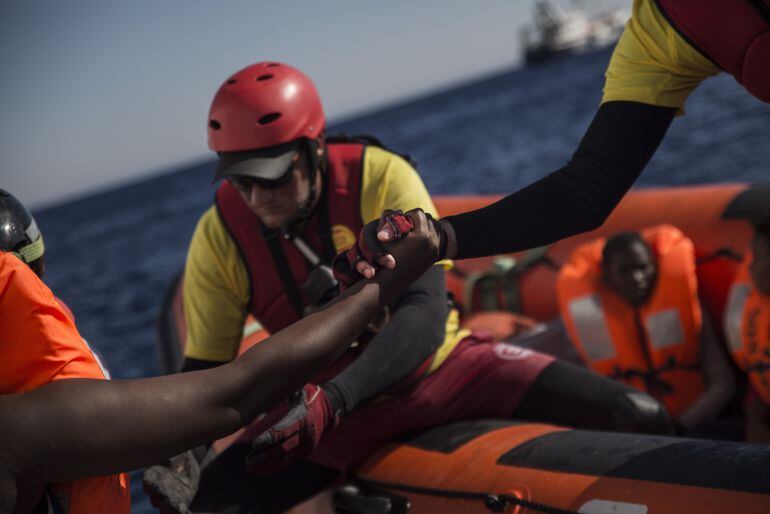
(718, 377)
(75, 428)
(757, 419)
(415, 330)
(620, 141)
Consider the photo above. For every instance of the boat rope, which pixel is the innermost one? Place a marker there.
(498, 503)
(493, 502)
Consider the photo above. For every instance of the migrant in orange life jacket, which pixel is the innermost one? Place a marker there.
(655, 347)
(40, 344)
(747, 328)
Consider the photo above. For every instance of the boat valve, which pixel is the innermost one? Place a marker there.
(495, 503)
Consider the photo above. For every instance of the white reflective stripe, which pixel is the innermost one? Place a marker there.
(611, 507)
(98, 359)
(32, 231)
(665, 329)
(251, 328)
(736, 302)
(587, 314)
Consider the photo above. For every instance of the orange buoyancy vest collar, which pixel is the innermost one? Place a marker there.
(654, 348)
(734, 34)
(270, 302)
(94, 495)
(41, 344)
(747, 328)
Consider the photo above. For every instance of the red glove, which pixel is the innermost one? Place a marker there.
(296, 436)
(368, 247)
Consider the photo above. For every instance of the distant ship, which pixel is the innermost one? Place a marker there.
(557, 31)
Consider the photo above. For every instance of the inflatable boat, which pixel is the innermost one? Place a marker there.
(503, 466)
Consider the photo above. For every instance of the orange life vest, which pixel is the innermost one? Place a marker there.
(747, 328)
(654, 348)
(66, 309)
(40, 344)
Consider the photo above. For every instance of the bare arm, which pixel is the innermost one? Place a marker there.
(75, 428)
(718, 376)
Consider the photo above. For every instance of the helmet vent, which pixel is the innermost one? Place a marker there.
(269, 118)
(215, 125)
(272, 65)
(231, 81)
(264, 77)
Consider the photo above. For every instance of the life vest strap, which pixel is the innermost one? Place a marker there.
(652, 379)
(284, 272)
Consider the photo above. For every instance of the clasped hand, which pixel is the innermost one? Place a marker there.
(413, 239)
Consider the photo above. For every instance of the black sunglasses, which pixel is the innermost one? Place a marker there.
(244, 183)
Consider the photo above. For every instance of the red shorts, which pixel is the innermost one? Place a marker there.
(480, 379)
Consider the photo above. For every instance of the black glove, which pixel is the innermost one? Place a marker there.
(367, 247)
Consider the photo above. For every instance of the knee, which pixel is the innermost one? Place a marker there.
(639, 412)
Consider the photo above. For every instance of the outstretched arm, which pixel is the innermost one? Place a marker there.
(75, 428)
(621, 139)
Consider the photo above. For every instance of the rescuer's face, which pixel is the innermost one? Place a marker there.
(760, 265)
(632, 273)
(279, 207)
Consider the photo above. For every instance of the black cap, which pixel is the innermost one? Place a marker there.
(265, 163)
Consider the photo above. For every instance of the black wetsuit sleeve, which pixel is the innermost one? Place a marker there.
(620, 141)
(416, 329)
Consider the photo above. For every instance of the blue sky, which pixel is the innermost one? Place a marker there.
(94, 93)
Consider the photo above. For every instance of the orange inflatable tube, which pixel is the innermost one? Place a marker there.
(713, 216)
(502, 466)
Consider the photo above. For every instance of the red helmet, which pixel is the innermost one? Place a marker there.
(265, 104)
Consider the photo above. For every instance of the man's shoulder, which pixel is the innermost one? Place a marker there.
(384, 168)
(384, 157)
(210, 220)
(210, 229)
(211, 243)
